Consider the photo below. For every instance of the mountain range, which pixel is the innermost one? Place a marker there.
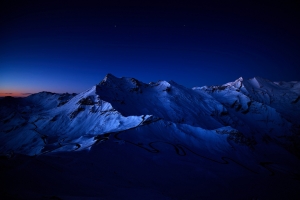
(125, 139)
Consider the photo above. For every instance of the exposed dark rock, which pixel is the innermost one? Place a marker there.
(168, 89)
(87, 101)
(239, 138)
(76, 112)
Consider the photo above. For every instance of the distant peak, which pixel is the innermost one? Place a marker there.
(43, 93)
(109, 74)
(107, 77)
(171, 82)
(258, 78)
(239, 79)
(236, 84)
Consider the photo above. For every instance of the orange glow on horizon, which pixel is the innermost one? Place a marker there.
(4, 93)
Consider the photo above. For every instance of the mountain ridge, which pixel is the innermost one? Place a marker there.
(250, 126)
(206, 107)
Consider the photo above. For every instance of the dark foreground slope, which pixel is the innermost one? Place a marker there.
(124, 139)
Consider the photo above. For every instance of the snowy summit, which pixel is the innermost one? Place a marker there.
(125, 139)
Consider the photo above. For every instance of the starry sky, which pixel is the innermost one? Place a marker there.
(71, 46)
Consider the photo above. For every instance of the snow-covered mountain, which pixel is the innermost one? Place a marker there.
(160, 140)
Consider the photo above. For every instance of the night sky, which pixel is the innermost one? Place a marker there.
(71, 46)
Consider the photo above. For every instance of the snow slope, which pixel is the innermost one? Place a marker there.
(262, 109)
(153, 141)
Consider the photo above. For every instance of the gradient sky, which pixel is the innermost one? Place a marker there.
(71, 46)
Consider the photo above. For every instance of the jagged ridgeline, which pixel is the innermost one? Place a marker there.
(259, 110)
(250, 125)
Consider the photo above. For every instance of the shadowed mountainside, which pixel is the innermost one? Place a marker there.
(127, 139)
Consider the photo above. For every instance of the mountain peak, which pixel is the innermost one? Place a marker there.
(107, 78)
(236, 84)
(142, 131)
(239, 79)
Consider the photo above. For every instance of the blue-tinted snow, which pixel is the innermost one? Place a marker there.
(125, 139)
